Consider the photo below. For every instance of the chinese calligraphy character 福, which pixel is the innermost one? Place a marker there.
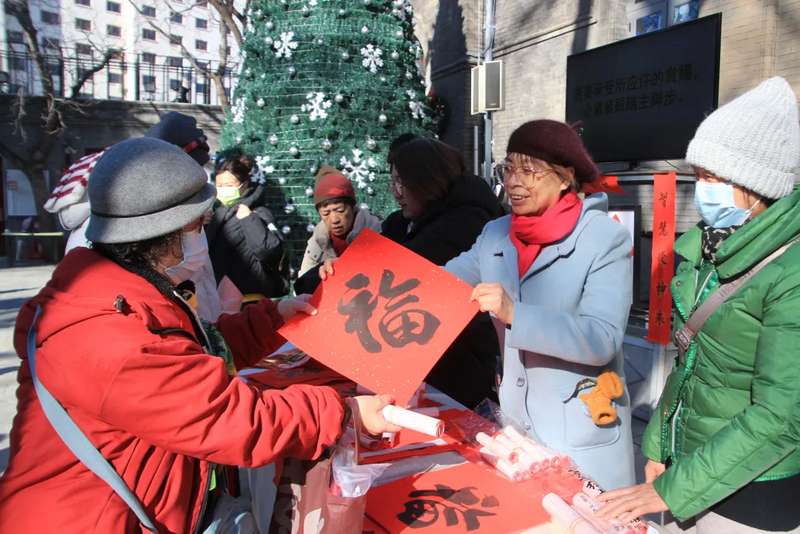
(398, 327)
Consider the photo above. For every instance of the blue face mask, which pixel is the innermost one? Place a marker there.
(714, 201)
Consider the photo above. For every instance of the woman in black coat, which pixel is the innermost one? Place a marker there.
(443, 210)
(243, 242)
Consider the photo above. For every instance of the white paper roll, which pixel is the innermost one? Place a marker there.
(566, 517)
(513, 473)
(523, 457)
(587, 506)
(430, 412)
(496, 447)
(414, 421)
(537, 452)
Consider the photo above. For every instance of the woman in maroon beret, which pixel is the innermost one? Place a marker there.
(556, 275)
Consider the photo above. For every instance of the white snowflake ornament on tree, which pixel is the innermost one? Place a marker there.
(358, 170)
(372, 58)
(286, 45)
(316, 105)
(237, 110)
(417, 109)
(261, 168)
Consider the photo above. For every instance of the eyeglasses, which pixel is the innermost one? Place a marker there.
(526, 176)
(396, 188)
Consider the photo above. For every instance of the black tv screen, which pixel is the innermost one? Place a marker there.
(644, 97)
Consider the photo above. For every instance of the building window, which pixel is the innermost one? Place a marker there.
(201, 23)
(201, 45)
(48, 17)
(87, 3)
(85, 72)
(148, 35)
(54, 66)
(113, 7)
(176, 18)
(50, 43)
(175, 62)
(148, 58)
(148, 79)
(83, 25)
(15, 37)
(114, 77)
(114, 31)
(175, 40)
(149, 11)
(83, 49)
(17, 63)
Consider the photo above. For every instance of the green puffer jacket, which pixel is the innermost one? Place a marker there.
(730, 411)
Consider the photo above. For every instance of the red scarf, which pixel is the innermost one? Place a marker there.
(531, 233)
(339, 245)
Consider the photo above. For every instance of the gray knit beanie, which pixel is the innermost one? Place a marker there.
(753, 141)
(144, 188)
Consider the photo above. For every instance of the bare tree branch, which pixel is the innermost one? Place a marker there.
(216, 76)
(108, 55)
(11, 156)
(226, 12)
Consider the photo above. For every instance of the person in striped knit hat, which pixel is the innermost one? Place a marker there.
(70, 201)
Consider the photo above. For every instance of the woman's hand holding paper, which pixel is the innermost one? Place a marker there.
(370, 407)
(290, 307)
(493, 298)
(326, 268)
(626, 504)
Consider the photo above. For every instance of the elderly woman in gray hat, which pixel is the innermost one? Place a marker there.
(113, 358)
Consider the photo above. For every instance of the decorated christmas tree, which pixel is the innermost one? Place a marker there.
(325, 82)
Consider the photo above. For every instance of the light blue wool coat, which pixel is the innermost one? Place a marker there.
(570, 313)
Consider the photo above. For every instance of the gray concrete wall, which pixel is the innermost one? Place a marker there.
(97, 125)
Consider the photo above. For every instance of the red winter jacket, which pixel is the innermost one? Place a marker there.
(156, 406)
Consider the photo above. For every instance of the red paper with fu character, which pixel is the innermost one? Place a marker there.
(384, 318)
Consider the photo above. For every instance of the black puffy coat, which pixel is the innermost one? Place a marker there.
(467, 370)
(247, 250)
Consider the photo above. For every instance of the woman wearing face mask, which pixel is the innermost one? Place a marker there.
(723, 441)
(243, 242)
(119, 349)
(556, 274)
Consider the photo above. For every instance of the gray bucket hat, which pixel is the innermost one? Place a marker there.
(144, 188)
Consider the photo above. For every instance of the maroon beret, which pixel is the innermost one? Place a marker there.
(554, 142)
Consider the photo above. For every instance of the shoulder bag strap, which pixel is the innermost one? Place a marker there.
(685, 335)
(77, 441)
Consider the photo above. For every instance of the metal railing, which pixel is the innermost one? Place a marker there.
(156, 78)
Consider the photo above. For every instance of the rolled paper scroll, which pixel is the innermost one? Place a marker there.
(389, 439)
(496, 447)
(587, 507)
(592, 489)
(369, 443)
(566, 517)
(514, 474)
(522, 457)
(414, 421)
(430, 412)
(536, 451)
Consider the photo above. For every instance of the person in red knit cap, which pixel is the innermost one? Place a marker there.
(342, 220)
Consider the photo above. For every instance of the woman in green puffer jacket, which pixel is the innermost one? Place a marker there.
(724, 441)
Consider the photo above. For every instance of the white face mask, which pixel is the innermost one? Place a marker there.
(195, 250)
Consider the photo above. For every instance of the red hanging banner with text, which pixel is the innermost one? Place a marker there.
(663, 260)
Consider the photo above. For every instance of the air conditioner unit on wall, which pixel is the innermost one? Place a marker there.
(487, 87)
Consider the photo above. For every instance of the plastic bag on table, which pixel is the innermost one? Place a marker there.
(350, 479)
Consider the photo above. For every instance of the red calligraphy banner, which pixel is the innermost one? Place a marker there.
(385, 317)
(663, 260)
(604, 184)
